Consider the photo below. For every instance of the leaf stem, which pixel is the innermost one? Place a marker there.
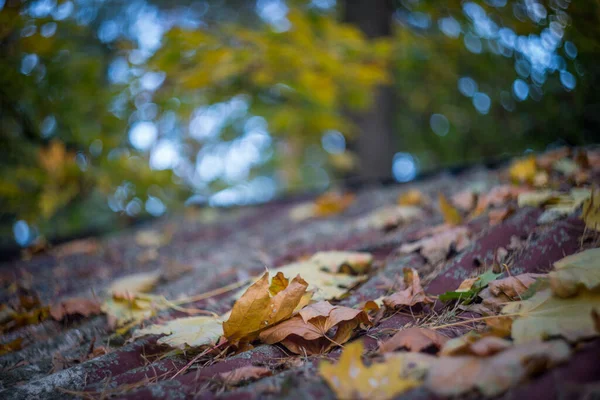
(474, 320)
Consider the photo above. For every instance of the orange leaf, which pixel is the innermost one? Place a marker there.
(75, 306)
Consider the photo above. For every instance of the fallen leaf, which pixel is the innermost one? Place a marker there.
(130, 285)
(565, 166)
(451, 214)
(470, 287)
(523, 170)
(75, 306)
(499, 326)
(14, 345)
(544, 315)
(413, 197)
(257, 309)
(475, 344)
(465, 200)
(580, 270)
(410, 294)
(413, 339)
(514, 286)
(186, 332)
(546, 160)
(125, 313)
(278, 283)
(246, 373)
(332, 203)
(82, 246)
(347, 262)
(591, 211)
(388, 217)
(435, 248)
(151, 238)
(498, 215)
(497, 196)
(493, 375)
(323, 284)
(349, 378)
(310, 331)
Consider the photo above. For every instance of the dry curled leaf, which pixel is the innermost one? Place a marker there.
(437, 247)
(413, 339)
(581, 270)
(257, 309)
(451, 214)
(493, 375)
(513, 286)
(311, 330)
(544, 315)
(349, 378)
(410, 294)
(246, 373)
(75, 306)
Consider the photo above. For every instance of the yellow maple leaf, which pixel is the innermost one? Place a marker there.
(188, 331)
(349, 378)
(256, 309)
(450, 213)
(545, 315)
(574, 272)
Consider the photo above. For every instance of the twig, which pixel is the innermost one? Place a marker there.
(213, 293)
(196, 358)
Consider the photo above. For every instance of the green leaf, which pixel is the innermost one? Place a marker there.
(468, 295)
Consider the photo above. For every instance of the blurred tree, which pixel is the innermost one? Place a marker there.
(376, 142)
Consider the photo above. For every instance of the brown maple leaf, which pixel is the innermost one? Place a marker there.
(312, 331)
(413, 339)
(411, 294)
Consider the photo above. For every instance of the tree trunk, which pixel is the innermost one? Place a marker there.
(375, 145)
